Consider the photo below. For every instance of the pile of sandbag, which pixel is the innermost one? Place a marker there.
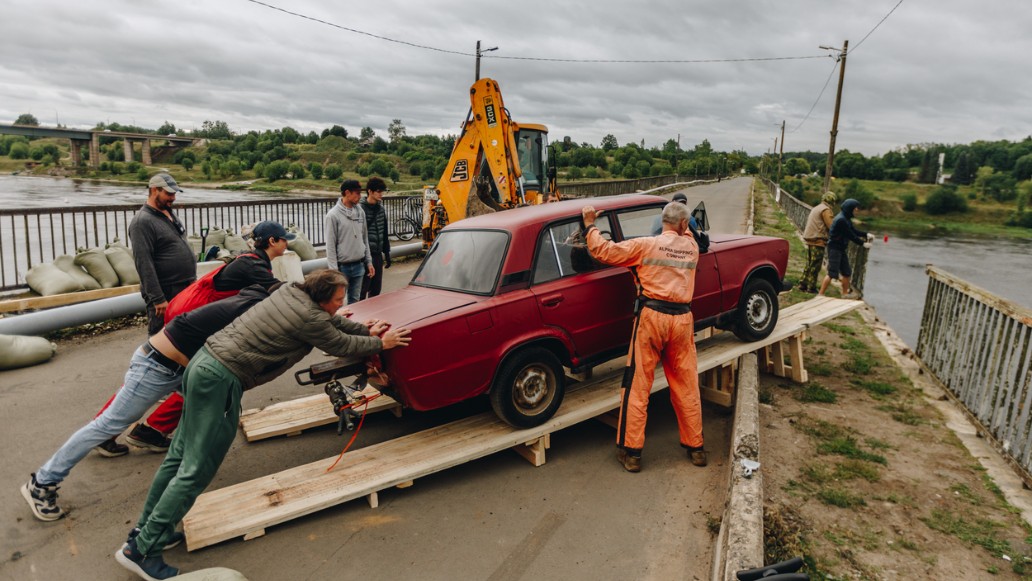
(301, 244)
(89, 269)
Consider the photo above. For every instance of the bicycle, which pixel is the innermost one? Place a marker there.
(407, 227)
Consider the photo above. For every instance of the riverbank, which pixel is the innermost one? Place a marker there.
(864, 476)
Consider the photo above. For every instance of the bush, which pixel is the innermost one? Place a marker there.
(37, 153)
(316, 170)
(363, 169)
(259, 169)
(896, 174)
(117, 168)
(142, 174)
(575, 173)
(333, 171)
(104, 166)
(909, 202)
(297, 171)
(854, 189)
(231, 168)
(944, 200)
(276, 170)
(18, 151)
(133, 166)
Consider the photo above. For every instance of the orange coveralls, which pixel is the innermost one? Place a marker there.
(666, 271)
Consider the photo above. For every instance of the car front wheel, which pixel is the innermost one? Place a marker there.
(528, 388)
(757, 311)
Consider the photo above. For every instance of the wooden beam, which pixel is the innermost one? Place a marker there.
(293, 416)
(37, 302)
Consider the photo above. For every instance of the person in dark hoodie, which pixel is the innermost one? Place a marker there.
(843, 232)
(379, 243)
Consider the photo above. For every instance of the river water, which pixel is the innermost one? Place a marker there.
(896, 282)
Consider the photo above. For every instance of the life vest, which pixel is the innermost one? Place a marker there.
(200, 293)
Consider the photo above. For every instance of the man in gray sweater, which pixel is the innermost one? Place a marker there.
(256, 348)
(163, 258)
(347, 239)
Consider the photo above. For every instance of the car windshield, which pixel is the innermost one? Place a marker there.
(464, 260)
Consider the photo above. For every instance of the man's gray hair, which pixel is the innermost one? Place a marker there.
(674, 212)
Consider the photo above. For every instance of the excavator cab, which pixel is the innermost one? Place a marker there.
(532, 151)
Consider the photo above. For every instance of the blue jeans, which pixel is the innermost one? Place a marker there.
(356, 274)
(146, 382)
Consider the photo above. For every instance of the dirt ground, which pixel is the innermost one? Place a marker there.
(863, 477)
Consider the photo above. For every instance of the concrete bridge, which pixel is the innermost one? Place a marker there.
(80, 138)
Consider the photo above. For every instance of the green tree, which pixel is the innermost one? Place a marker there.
(277, 170)
(336, 130)
(609, 142)
(929, 167)
(366, 133)
(1023, 168)
(258, 169)
(333, 171)
(187, 163)
(166, 129)
(964, 170)
(854, 189)
(316, 170)
(944, 200)
(36, 153)
(297, 171)
(629, 172)
(142, 174)
(215, 130)
(797, 166)
(395, 131)
(27, 119)
(231, 168)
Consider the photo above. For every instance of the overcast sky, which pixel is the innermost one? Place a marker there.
(947, 71)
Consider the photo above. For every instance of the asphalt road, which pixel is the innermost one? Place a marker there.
(580, 516)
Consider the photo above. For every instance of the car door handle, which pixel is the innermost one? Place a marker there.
(552, 301)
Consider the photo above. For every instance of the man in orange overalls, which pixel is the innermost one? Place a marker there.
(663, 330)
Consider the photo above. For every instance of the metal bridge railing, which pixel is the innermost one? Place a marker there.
(979, 346)
(617, 187)
(33, 236)
(798, 211)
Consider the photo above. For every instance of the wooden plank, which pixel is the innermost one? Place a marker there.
(795, 356)
(36, 302)
(293, 416)
(243, 508)
(533, 452)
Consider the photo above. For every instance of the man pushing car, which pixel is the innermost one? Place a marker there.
(664, 266)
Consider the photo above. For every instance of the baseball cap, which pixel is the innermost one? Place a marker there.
(163, 180)
(679, 197)
(271, 229)
(350, 185)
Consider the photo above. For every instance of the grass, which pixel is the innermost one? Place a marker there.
(840, 329)
(878, 389)
(840, 498)
(849, 447)
(981, 532)
(822, 368)
(815, 392)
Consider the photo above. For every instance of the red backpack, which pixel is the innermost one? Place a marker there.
(200, 293)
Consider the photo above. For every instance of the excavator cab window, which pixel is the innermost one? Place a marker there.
(531, 145)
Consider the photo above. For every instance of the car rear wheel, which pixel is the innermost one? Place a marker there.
(528, 388)
(757, 311)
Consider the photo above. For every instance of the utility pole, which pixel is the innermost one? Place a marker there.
(781, 153)
(838, 102)
(480, 52)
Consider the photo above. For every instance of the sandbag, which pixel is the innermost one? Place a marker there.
(117, 243)
(47, 279)
(301, 245)
(123, 264)
(216, 237)
(96, 263)
(66, 263)
(17, 351)
(235, 244)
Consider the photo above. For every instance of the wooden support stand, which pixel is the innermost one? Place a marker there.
(290, 418)
(773, 357)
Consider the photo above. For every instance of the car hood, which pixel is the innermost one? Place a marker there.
(408, 305)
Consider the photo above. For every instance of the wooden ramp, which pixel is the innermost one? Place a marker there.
(247, 509)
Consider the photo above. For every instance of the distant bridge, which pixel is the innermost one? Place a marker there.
(80, 138)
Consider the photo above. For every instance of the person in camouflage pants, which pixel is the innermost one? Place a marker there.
(816, 236)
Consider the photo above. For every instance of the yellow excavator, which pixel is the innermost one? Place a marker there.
(496, 164)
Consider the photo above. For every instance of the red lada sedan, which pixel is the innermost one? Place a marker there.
(502, 302)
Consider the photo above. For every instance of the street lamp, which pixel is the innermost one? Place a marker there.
(480, 52)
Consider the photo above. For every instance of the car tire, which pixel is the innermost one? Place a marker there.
(529, 388)
(757, 312)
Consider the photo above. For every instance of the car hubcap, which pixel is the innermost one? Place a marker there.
(532, 388)
(758, 311)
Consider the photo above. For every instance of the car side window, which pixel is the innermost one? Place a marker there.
(644, 222)
(562, 250)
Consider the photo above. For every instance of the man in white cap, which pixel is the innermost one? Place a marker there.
(163, 257)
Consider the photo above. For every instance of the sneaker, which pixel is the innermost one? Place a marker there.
(630, 463)
(150, 568)
(144, 436)
(42, 499)
(173, 541)
(111, 449)
(852, 295)
(698, 456)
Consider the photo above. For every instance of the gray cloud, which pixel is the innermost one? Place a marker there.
(941, 72)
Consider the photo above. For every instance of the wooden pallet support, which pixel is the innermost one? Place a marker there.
(254, 534)
(610, 418)
(373, 499)
(534, 451)
(290, 418)
(717, 385)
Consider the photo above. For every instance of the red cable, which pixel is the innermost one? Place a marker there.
(365, 408)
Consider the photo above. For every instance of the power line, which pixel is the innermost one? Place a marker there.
(528, 58)
(886, 17)
(818, 99)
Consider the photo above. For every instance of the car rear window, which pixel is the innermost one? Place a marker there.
(638, 223)
(464, 260)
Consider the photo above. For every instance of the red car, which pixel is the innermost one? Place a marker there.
(502, 302)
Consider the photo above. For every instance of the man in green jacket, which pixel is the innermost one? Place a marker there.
(256, 348)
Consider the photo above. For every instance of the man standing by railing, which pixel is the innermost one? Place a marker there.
(816, 236)
(347, 239)
(163, 258)
(379, 243)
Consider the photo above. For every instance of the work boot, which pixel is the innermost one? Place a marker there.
(111, 449)
(852, 295)
(144, 436)
(631, 463)
(173, 541)
(150, 568)
(698, 456)
(42, 499)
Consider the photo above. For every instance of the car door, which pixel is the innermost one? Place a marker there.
(591, 303)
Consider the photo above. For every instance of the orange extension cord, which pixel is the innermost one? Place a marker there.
(365, 408)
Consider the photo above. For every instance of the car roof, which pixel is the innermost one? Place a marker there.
(513, 219)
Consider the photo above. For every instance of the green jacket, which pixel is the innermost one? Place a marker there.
(275, 334)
